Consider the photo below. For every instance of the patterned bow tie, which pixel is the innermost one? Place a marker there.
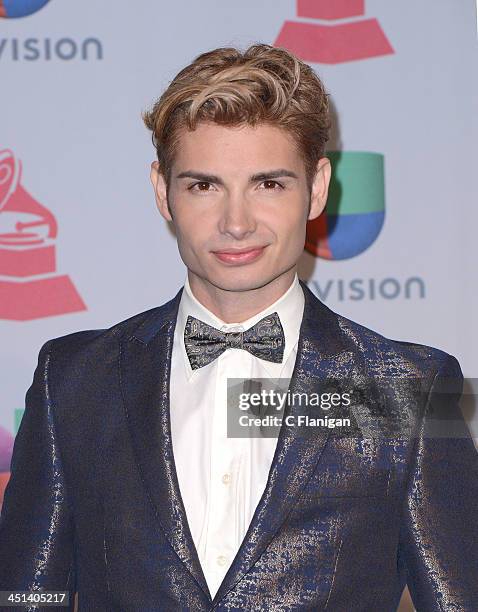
(205, 343)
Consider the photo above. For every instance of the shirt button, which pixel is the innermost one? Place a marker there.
(226, 479)
(221, 560)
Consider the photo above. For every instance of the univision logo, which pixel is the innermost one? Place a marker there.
(13, 9)
(33, 49)
(355, 211)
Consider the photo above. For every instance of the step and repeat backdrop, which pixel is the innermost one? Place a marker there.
(81, 242)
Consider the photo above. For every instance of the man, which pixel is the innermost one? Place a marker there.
(125, 486)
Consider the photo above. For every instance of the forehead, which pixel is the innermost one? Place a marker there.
(238, 148)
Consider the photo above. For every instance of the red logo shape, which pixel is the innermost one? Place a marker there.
(333, 43)
(28, 230)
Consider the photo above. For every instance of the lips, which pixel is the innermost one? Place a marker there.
(239, 256)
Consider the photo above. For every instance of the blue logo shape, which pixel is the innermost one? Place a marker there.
(12, 9)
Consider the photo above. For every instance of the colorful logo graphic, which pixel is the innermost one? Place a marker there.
(333, 43)
(6, 447)
(355, 209)
(6, 450)
(20, 8)
(30, 288)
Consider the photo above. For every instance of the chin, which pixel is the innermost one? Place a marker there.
(241, 280)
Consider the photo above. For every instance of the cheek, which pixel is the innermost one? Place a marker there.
(193, 235)
(290, 209)
(288, 223)
(290, 230)
(189, 226)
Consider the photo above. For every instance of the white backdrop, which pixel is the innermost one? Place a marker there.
(74, 78)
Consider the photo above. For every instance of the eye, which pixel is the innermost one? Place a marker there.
(271, 185)
(203, 186)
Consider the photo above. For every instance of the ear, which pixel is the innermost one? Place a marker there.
(160, 191)
(320, 188)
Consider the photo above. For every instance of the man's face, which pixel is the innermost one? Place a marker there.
(240, 202)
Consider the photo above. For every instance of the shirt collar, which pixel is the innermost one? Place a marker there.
(289, 307)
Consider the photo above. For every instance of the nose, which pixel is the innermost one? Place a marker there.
(237, 219)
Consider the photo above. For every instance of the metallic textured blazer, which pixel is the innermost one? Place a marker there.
(345, 521)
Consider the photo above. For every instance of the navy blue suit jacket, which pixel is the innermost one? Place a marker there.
(345, 521)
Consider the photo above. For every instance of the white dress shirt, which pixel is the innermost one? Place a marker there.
(222, 479)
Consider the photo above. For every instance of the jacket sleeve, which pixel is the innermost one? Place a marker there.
(36, 524)
(439, 532)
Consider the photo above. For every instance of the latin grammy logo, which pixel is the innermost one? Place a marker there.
(30, 287)
(333, 43)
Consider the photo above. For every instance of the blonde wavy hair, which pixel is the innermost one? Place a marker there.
(263, 84)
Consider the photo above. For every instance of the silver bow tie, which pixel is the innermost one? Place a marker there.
(205, 343)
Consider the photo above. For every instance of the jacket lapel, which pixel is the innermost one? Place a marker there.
(323, 353)
(145, 361)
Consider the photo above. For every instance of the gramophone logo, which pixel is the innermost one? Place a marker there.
(333, 42)
(20, 8)
(355, 211)
(30, 287)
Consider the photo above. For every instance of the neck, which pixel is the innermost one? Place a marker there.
(237, 306)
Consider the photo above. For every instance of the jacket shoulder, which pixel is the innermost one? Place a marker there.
(397, 356)
(97, 340)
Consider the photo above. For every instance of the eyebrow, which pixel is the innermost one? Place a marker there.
(259, 176)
